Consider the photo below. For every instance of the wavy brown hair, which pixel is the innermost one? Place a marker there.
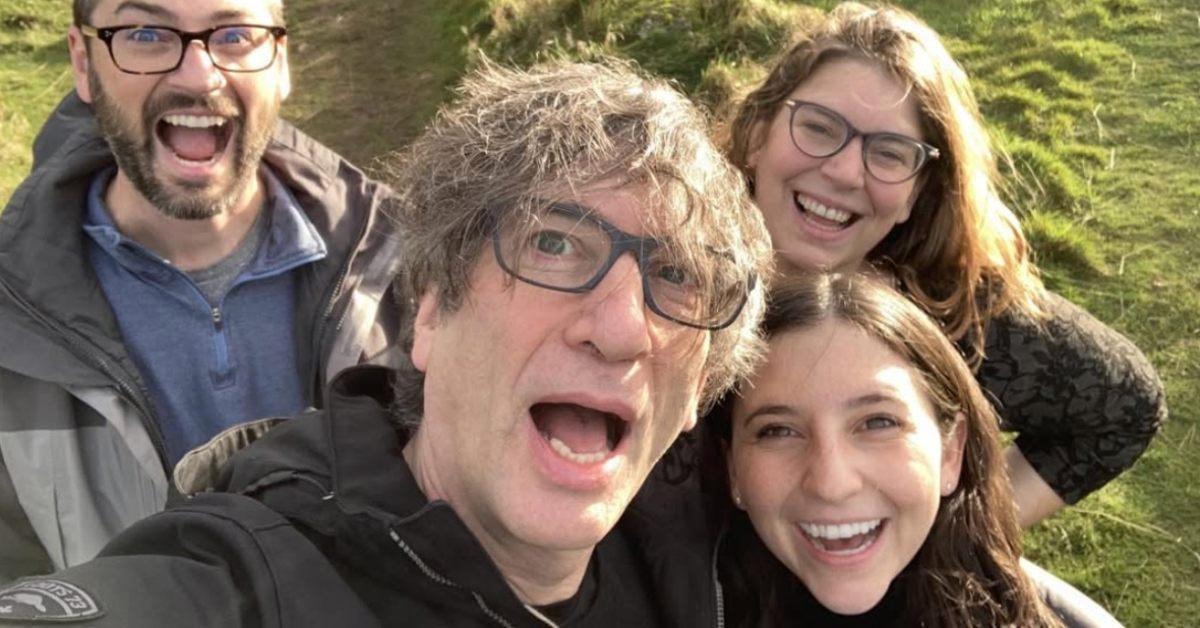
(967, 572)
(961, 255)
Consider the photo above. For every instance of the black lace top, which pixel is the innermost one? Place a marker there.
(1082, 399)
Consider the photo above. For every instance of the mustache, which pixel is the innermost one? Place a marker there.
(217, 104)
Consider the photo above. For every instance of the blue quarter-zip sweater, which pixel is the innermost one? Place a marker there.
(208, 367)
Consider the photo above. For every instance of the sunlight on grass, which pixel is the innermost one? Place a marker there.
(1095, 102)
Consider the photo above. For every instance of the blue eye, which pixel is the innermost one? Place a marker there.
(144, 35)
(232, 36)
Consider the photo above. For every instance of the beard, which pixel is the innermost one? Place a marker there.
(132, 141)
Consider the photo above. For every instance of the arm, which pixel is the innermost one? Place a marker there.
(1036, 500)
(216, 560)
(1083, 400)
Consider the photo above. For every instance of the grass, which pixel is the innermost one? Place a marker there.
(34, 75)
(1097, 102)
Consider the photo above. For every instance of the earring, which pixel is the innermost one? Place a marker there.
(737, 499)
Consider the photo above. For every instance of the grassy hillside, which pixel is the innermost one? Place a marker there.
(1096, 101)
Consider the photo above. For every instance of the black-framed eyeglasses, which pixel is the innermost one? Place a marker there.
(820, 132)
(148, 49)
(566, 247)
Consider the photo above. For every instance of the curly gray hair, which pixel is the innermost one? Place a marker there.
(517, 137)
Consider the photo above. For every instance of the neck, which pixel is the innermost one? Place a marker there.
(537, 575)
(187, 244)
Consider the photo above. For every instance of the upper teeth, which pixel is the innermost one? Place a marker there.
(839, 531)
(828, 213)
(195, 122)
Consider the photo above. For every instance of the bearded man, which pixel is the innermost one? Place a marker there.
(176, 266)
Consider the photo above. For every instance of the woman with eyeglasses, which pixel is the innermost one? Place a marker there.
(865, 151)
(865, 474)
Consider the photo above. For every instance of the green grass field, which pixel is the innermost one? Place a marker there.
(1097, 102)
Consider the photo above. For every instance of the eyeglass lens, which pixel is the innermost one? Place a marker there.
(560, 250)
(236, 48)
(819, 132)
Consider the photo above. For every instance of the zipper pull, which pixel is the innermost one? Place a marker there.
(216, 316)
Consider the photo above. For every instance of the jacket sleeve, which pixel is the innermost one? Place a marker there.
(1083, 400)
(216, 560)
(20, 551)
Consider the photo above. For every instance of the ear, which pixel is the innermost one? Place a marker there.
(734, 494)
(80, 63)
(758, 141)
(952, 454)
(424, 328)
(285, 75)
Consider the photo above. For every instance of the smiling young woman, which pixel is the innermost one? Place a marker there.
(865, 473)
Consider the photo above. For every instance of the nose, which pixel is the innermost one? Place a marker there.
(614, 322)
(829, 471)
(846, 168)
(196, 72)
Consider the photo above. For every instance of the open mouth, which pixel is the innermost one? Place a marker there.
(822, 217)
(197, 139)
(843, 539)
(577, 433)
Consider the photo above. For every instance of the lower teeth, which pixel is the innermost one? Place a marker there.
(563, 450)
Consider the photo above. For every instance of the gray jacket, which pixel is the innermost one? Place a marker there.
(81, 456)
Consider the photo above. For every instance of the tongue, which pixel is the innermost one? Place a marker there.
(839, 545)
(189, 143)
(583, 430)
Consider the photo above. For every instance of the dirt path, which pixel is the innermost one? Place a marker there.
(368, 74)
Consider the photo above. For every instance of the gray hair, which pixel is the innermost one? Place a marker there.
(514, 137)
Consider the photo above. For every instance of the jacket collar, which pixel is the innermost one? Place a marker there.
(290, 242)
(373, 484)
(43, 261)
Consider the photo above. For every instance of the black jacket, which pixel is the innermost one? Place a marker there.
(321, 523)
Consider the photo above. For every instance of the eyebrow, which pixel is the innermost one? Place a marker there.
(870, 399)
(787, 410)
(144, 7)
(167, 14)
(775, 408)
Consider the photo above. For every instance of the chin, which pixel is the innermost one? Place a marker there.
(852, 600)
(569, 528)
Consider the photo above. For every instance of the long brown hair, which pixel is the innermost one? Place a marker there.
(961, 255)
(967, 571)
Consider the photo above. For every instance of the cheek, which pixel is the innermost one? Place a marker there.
(892, 201)
(762, 481)
(918, 487)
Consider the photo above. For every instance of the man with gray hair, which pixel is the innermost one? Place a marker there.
(584, 270)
